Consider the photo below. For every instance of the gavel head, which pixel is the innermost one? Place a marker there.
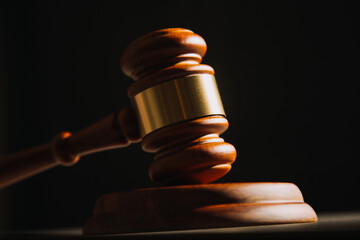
(179, 107)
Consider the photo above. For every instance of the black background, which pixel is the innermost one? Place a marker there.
(287, 72)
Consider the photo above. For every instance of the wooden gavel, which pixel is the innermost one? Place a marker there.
(177, 113)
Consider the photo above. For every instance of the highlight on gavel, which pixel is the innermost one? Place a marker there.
(178, 107)
(177, 114)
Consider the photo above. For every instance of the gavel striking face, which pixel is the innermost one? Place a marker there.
(178, 106)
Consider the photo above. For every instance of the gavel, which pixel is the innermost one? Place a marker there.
(177, 112)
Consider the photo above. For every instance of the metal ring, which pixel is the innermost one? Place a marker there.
(177, 100)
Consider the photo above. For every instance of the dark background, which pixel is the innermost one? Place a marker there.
(287, 72)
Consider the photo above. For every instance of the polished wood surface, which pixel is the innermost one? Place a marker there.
(196, 155)
(186, 152)
(163, 55)
(190, 151)
(198, 207)
(114, 131)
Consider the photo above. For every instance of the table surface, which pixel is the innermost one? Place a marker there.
(345, 225)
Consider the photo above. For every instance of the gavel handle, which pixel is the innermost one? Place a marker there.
(114, 131)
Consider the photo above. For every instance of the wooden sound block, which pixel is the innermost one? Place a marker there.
(199, 207)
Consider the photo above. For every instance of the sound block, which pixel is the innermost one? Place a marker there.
(199, 207)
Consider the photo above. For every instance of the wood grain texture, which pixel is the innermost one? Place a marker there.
(199, 206)
(188, 152)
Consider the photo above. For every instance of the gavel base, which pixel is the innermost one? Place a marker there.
(199, 207)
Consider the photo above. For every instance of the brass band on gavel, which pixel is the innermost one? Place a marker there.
(177, 100)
